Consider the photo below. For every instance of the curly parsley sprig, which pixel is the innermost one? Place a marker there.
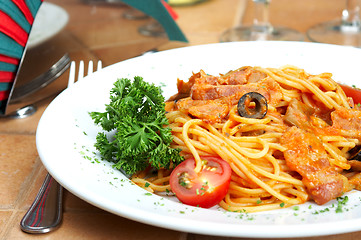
(136, 111)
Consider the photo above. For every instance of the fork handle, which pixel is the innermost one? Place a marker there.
(46, 212)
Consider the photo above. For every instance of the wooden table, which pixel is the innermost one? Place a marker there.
(96, 32)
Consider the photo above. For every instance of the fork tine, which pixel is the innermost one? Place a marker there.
(90, 67)
(99, 65)
(71, 74)
(81, 70)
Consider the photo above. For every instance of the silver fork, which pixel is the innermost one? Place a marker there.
(46, 212)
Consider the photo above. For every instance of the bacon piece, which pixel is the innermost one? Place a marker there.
(184, 88)
(306, 155)
(170, 106)
(355, 182)
(223, 101)
(211, 92)
(298, 114)
(204, 78)
(210, 111)
(240, 76)
(269, 88)
(210, 98)
(185, 103)
(347, 119)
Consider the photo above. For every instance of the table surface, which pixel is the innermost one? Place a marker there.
(100, 32)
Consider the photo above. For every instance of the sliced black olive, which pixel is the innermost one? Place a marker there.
(248, 110)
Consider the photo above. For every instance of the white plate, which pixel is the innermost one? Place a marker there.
(66, 134)
(49, 21)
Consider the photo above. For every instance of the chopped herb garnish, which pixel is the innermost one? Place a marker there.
(341, 202)
(325, 210)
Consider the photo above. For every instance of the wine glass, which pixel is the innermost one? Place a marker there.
(343, 31)
(261, 29)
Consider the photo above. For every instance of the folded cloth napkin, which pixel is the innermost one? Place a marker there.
(16, 19)
(163, 13)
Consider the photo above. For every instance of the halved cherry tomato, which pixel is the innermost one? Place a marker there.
(353, 92)
(205, 188)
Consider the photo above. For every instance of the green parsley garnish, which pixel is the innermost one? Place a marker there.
(341, 202)
(136, 111)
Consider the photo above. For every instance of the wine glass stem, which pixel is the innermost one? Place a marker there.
(261, 21)
(351, 14)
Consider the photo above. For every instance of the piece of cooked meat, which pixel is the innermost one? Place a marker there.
(268, 87)
(224, 97)
(239, 76)
(355, 181)
(306, 155)
(210, 98)
(298, 114)
(210, 111)
(347, 119)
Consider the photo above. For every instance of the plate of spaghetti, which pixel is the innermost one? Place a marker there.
(257, 139)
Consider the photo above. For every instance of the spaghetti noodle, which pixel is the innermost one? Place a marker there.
(269, 170)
